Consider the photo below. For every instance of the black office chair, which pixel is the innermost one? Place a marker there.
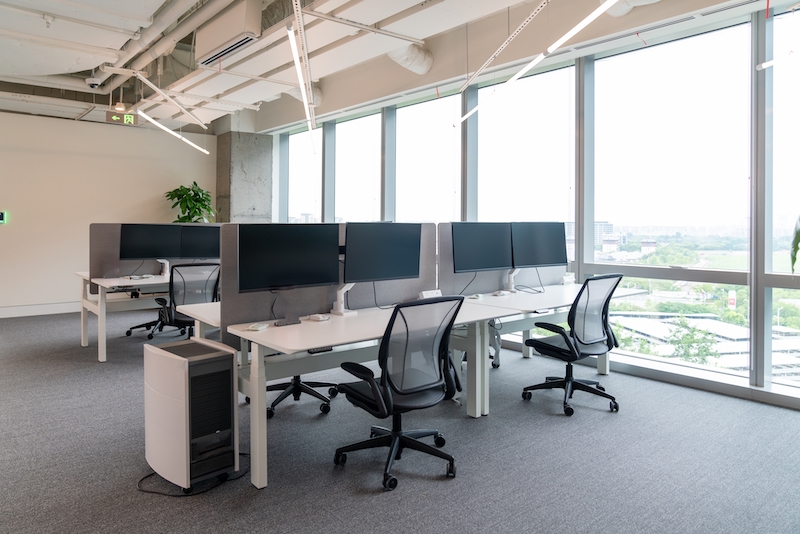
(190, 283)
(589, 335)
(416, 372)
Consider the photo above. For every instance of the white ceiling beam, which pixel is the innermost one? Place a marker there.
(49, 18)
(108, 53)
(245, 75)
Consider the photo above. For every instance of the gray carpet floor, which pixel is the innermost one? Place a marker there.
(673, 460)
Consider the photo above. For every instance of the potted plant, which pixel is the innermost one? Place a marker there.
(194, 202)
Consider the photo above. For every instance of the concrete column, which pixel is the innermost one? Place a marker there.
(244, 177)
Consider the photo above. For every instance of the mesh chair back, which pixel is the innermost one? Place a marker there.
(415, 345)
(193, 283)
(588, 317)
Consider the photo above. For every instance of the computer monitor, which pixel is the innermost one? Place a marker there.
(377, 251)
(538, 244)
(149, 241)
(479, 246)
(200, 241)
(286, 256)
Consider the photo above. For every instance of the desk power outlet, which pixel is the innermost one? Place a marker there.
(430, 294)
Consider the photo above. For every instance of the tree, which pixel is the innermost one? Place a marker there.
(627, 341)
(691, 344)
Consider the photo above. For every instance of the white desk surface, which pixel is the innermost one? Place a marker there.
(205, 312)
(367, 324)
(556, 296)
(110, 283)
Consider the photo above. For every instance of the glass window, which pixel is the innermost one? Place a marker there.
(786, 138)
(686, 323)
(672, 152)
(429, 161)
(786, 336)
(526, 146)
(305, 177)
(358, 169)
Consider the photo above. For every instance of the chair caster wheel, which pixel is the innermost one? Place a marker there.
(183, 331)
(247, 400)
(568, 410)
(439, 441)
(340, 459)
(614, 405)
(332, 392)
(149, 336)
(451, 470)
(128, 333)
(270, 412)
(389, 482)
(601, 388)
(325, 408)
(495, 365)
(187, 491)
(527, 395)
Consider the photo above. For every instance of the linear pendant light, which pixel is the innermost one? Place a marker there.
(605, 6)
(149, 119)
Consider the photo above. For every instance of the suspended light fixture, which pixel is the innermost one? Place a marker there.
(605, 6)
(149, 119)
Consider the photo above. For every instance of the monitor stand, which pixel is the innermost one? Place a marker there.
(510, 281)
(339, 307)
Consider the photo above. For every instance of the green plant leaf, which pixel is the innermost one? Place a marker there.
(795, 243)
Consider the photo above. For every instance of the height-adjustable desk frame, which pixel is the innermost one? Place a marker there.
(105, 301)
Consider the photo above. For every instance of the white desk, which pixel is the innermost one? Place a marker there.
(109, 300)
(205, 315)
(554, 297)
(353, 338)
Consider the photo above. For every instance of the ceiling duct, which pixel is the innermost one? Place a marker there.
(413, 57)
(231, 30)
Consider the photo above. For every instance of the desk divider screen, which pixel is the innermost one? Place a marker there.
(105, 241)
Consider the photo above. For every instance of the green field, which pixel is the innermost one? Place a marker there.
(738, 261)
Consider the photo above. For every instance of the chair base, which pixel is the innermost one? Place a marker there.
(397, 440)
(146, 326)
(569, 384)
(297, 387)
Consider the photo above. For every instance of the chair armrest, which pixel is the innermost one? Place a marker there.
(556, 330)
(359, 371)
(366, 374)
(161, 302)
(451, 378)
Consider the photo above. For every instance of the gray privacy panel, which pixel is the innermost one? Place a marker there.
(104, 259)
(451, 283)
(389, 292)
(255, 306)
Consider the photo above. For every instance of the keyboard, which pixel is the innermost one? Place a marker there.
(287, 322)
(320, 349)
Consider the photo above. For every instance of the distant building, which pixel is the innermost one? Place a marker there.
(648, 246)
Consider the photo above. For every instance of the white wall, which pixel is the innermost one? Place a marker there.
(58, 176)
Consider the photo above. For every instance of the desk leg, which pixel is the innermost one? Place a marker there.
(258, 418)
(101, 325)
(603, 364)
(527, 351)
(200, 328)
(477, 367)
(84, 314)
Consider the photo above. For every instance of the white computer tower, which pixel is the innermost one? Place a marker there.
(191, 410)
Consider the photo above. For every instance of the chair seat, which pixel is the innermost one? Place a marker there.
(360, 394)
(556, 347)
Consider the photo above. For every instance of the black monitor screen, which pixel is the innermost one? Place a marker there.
(200, 241)
(284, 256)
(381, 251)
(538, 244)
(481, 246)
(149, 241)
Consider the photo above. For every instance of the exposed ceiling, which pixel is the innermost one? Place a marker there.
(49, 48)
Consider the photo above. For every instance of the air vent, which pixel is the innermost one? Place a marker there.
(230, 31)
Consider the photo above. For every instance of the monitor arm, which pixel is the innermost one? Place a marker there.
(339, 307)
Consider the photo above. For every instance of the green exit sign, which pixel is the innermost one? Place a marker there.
(127, 119)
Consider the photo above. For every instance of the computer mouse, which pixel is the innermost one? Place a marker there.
(318, 317)
(475, 296)
(500, 293)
